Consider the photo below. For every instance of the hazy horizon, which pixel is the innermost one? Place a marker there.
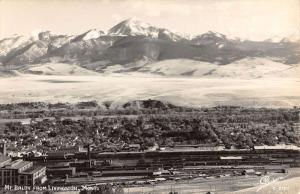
(246, 19)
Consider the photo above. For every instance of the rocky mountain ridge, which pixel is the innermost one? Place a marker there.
(133, 44)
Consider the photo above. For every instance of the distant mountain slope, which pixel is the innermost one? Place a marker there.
(58, 69)
(292, 71)
(178, 67)
(22, 50)
(247, 68)
(130, 42)
(8, 44)
(130, 49)
(91, 34)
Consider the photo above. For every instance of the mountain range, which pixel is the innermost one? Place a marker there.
(135, 46)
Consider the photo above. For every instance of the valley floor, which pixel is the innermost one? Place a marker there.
(267, 92)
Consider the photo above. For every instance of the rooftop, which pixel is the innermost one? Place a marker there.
(60, 169)
(134, 145)
(33, 169)
(59, 164)
(231, 157)
(4, 158)
(17, 164)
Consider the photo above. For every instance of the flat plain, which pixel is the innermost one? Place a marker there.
(121, 88)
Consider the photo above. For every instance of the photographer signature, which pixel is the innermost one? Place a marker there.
(267, 180)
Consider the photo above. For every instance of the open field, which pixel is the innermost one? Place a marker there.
(222, 185)
(267, 92)
(202, 186)
(289, 186)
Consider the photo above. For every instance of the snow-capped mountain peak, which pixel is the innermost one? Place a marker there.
(88, 35)
(134, 27)
(92, 34)
(153, 42)
(211, 34)
(35, 34)
(39, 35)
(210, 38)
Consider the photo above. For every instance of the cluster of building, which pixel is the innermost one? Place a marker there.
(77, 164)
(19, 172)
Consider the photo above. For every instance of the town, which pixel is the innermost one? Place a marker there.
(84, 145)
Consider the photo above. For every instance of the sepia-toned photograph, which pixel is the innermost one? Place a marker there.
(150, 96)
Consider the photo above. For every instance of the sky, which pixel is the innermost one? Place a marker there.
(247, 19)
